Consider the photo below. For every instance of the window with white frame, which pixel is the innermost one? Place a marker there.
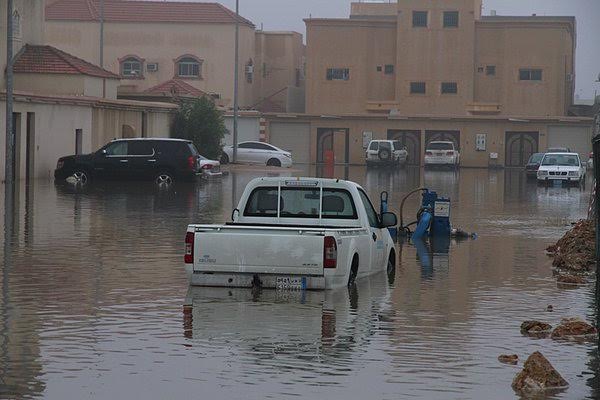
(189, 67)
(131, 67)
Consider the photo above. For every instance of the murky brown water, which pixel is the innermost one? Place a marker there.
(93, 289)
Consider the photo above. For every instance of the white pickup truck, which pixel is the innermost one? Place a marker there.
(293, 233)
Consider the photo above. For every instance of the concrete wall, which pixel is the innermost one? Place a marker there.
(494, 128)
(162, 43)
(50, 83)
(54, 135)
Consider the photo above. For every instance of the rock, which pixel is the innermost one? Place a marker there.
(538, 375)
(571, 280)
(549, 308)
(508, 358)
(573, 328)
(535, 328)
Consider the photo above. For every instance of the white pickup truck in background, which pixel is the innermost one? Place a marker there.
(293, 233)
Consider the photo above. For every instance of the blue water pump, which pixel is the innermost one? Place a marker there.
(434, 217)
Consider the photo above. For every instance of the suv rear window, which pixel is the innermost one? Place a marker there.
(300, 203)
(440, 146)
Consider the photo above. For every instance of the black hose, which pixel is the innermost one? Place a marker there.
(421, 189)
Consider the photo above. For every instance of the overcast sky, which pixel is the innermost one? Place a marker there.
(288, 15)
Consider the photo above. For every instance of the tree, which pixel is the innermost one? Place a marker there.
(201, 122)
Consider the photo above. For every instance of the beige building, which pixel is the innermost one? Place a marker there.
(63, 104)
(151, 43)
(415, 71)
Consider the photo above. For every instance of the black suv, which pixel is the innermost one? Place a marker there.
(161, 160)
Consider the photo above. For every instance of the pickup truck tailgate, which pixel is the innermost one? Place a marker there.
(258, 251)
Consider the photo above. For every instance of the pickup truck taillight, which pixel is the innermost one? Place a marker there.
(189, 248)
(329, 252)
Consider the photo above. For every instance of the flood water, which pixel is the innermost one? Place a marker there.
(93, 294)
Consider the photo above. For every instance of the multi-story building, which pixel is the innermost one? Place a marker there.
(182, 46)
(417, 70)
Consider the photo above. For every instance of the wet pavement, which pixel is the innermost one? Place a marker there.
(93, 289)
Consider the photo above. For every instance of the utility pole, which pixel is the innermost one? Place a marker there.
(9, 173)
(236, 80)
(102, 45)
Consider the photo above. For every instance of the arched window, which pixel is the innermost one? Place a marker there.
(188, 67)
(16, 24)
(131, 67)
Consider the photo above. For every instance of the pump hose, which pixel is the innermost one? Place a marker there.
(421, 189)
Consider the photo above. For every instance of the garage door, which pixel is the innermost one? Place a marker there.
(578, 139)
(293, 137)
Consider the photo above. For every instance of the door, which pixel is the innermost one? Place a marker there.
(376, 237)
(264, 153)
(411, 140)
(519, 147)
(324, 143)
(112, 162)
(245, 153)
(292, 137)
(142, 160)
(443, 136)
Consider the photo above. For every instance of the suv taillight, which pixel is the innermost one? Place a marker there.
(329, 252)
(450, 153)
(207, 166)
(192, 163)
(189, 248)
(428, 153)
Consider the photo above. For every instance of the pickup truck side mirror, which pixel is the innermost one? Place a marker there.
(388, 219)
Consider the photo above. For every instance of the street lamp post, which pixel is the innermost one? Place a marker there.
(236, 80)
(9, 173)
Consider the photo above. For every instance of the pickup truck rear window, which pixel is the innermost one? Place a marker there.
(300, 203)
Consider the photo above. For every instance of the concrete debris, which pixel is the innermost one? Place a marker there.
(538, 375)
(535, 328)
(576, 250)
(508, 359)
(573, 328)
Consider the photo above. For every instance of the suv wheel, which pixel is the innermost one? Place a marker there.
(164, 179)
(273, 162)
(79, 177)
(384, 155)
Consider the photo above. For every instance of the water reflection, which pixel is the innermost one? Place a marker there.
(92, 292)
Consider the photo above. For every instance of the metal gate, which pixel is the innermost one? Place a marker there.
(519, 147)
(293, 137)
(411, 140)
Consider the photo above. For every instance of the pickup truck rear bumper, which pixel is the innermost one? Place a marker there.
(267, 281)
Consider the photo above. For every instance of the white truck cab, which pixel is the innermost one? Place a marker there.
(293, 233)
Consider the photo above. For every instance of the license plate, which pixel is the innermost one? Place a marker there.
(290, 283)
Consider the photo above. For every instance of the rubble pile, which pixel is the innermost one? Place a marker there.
(575, 251)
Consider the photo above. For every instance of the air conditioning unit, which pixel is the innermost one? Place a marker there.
(249, 69)
(152, 67)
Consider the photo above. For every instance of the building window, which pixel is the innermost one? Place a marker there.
(389, 69)
(131, 67)
(419, 19)
(449, 88)
(490, 70)
(338, 74)
(480, 69)
(450, 19)
(16, 25)
(418, 88)
(530, 74)
(379, 68)
(188, 67)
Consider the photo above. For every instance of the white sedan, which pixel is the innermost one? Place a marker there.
(258, 153)
(566, 167)
(209, 168)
